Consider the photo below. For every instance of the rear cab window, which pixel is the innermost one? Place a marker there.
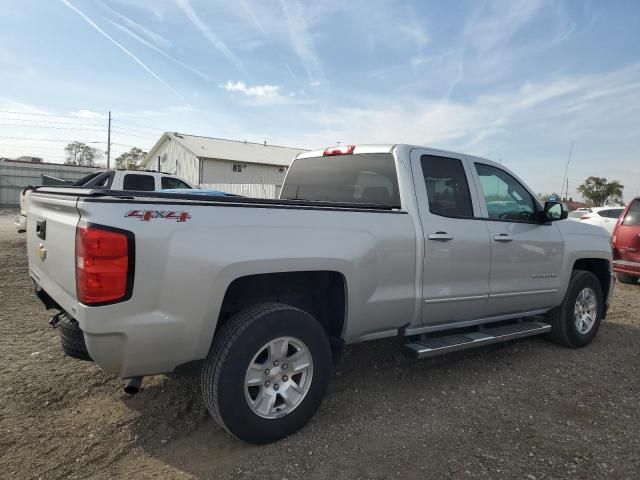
(361, 178)
(139, 182)
(447, 187)
(171, 182)
(611, 213)
(633, 214)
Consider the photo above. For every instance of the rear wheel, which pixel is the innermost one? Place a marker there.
(626, 278)
(72, 339)
(575, 323)
(267, 372)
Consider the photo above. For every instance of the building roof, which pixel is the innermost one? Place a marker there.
(232, 150)
(44, 165)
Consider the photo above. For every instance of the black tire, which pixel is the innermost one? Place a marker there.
(563, 328)
(626, 278)
(233, 349)
(72, 339)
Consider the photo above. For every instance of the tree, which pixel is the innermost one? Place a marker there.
(548, 196)
(131, 160)
(81, 154)
(598, 191)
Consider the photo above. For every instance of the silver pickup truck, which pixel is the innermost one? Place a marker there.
(365, 242)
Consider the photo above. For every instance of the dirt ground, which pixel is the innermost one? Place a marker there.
(524, 410)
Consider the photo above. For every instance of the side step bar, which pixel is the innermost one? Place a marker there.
(432, 346)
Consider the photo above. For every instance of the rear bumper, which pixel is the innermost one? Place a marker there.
(128, 344)
(625, 266)
(132, 346)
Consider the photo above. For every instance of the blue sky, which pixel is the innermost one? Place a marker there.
(515, 81)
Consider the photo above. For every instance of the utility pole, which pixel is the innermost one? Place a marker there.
(109, 141)
(566, 170)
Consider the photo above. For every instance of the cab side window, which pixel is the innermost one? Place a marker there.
(505, 197)
(139, 182)
(447, 187)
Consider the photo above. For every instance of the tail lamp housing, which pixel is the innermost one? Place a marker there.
(105, 260)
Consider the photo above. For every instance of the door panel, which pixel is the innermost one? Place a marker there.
(525, 270)
(526, 256)
(455, 283)
(627, 239)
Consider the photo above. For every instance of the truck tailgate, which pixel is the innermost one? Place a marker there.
(51, 232)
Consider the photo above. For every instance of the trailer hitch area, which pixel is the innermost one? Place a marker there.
(53, 321)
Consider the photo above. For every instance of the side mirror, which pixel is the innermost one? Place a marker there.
(555, 211)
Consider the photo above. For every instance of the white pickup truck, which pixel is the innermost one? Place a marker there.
(111, 180)
(446, 250)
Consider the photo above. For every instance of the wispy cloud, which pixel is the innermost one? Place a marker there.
(492, 38)
(210, 35)
(143, 31)
(150, 45)
(124, 49)
(605, 100)
(301, 39)
(267, 37)
(88, 114)
(417, 33)
(263, 91)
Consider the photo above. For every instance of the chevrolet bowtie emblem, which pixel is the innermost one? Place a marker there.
(42, 252)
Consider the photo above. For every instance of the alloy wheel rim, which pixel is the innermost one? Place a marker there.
(278, 377)
(586, 310)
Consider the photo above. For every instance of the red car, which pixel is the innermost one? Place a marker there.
(626, 243)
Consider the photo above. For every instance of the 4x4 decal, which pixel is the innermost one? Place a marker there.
(148, 215)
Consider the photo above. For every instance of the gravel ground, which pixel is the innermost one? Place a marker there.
(523, 410)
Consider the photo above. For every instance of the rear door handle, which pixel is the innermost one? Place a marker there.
(442, 236)
(503, 237)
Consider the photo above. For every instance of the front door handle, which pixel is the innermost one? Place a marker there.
(503, 237)
(442, 236)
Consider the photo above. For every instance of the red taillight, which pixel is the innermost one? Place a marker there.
(339, 150)
(102, 264)
(585, 217)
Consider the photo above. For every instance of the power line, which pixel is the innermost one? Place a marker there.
(23, 145)
(45, 139)
(50, 122)
(55, 128)
(134, 130)
(123, 145)
(41, 114)
(131, 135)
(140, 125)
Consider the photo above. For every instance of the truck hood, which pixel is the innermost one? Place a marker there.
(571, 227)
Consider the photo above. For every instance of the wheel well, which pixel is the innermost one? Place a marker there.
(600, 268)
(319, 293)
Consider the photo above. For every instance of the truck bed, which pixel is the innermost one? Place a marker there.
(104, 195)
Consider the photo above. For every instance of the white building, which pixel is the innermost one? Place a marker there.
(243, 168)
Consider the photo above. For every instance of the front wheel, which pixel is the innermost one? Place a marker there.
(267, 372)
(575, 323)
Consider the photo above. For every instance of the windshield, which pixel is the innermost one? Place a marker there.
(362, 178)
